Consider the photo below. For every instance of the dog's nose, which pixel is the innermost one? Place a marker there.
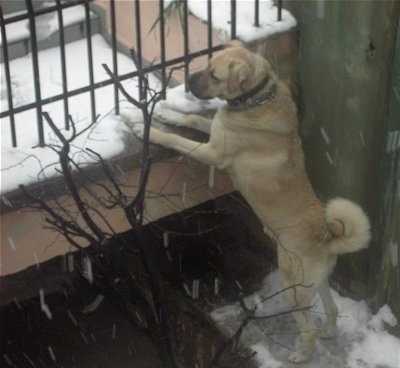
(198, 85)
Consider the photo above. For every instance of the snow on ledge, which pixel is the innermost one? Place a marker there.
(46, 24)
(27, 163)
(179, 100)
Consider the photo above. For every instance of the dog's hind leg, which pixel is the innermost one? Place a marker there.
(172, 117)
(331, 310)
(299, 299)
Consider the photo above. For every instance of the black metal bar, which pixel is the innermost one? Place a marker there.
(90, 60)
(35, 69)
(256, 13)
(209, 28)
(185, 43)
(138, 50)
(114, 54)
(279, 10)
(63, 63)
(162, 49)
(8, 79)
(233, 19)
(107, 82)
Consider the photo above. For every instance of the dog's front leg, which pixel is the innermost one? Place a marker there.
(172, 117)
(203, 152)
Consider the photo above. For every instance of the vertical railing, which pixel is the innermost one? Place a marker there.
(162, 48)
(92, 85)
(257, 13)
(186, 43)
(279, 6)
(233, 19)
(8, 79)
(114, 53)
(138, 51)
(63, 64)
(209, 28)
(35, 70)
(90, 60)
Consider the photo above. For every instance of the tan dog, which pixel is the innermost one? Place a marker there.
(254, 136)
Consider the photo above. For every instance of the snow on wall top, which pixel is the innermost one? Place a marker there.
(245, 29)
(46, 24)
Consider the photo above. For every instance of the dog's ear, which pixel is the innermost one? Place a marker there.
(234, 43)
(239, 74)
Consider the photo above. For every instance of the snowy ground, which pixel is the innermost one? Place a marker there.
(362, 339)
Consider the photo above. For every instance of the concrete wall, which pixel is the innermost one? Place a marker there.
(345, 61)
(386, 259)
(25, 240)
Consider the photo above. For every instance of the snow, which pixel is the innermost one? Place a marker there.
(22, 164)
(361, 341)
(264, 357)
(178, 100)
(245, 30)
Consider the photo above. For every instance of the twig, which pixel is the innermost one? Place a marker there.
(64, 162)
(66, 227)
(135, 208)
(285, 289)
(109, 175)
(233, 341)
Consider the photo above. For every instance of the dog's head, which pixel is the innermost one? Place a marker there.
(230, 73)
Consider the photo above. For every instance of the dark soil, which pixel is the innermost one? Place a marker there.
(103, 339)
(217, 239)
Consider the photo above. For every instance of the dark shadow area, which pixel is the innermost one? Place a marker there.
(206, 256)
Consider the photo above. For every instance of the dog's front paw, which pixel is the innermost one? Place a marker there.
(138, 130)
(171, 117)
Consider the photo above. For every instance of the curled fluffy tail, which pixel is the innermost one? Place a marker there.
(349, 225)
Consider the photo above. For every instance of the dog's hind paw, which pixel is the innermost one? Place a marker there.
(298, 357)
(327, 333)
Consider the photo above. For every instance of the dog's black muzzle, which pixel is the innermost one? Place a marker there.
(198, 85)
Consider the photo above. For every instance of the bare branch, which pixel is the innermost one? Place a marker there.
(109, 175)
(64, 162)
(250, 315)
(62, 223)
(129, 98)
(285, 289)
